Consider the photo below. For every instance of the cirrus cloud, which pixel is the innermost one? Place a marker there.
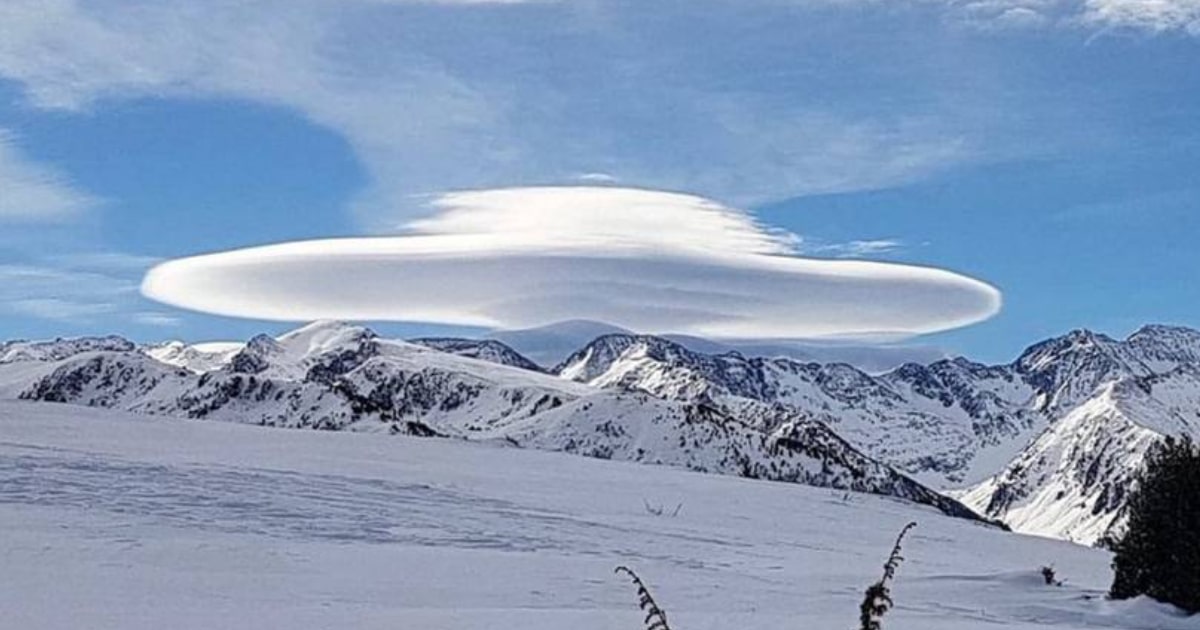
(647, 260)
(33, 192)
(1149, 16)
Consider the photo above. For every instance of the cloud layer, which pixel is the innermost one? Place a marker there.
(549, 90)
(544, 92)
(79, 289)
(647, 260)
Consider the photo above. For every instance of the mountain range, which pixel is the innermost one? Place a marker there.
(1048, 444)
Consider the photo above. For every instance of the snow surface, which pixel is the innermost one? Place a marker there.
(113, 520)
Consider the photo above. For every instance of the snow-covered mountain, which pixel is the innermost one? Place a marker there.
(1049, 444)
(939, 422)
(335, 376)
(1072, 480)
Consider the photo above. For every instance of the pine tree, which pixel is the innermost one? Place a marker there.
(1159, 555)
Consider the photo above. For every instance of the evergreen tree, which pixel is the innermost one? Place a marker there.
(1159, 555)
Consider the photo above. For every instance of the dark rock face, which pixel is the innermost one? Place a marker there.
(256, 356)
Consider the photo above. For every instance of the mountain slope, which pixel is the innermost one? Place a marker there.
(338, 377)
(1050, 443)
(1073, 479)
(932, 421)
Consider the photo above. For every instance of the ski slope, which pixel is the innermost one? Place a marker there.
(112, 520)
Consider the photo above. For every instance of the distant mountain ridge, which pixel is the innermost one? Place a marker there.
(334, 376)
(1049, 443)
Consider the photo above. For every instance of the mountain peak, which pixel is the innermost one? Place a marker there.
(1164, 331)
(1043, 352)
(324, 330)
(1085, 336)
(599, 355)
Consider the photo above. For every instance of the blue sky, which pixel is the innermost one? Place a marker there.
(1048, 147)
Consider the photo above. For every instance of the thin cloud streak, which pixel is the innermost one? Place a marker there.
(1147, 16)
(76, 288)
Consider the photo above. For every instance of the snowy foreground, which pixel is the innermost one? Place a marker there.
(110, 520)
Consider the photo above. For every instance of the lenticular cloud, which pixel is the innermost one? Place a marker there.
(522, 257)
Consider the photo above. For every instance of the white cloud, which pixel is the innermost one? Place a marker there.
(31, 192)
(646, 260)
(553, 218)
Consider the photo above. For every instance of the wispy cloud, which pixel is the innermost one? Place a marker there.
(35, 193)
(646, 260)
(60, 309)
(857, 248)
(79, 288)
(1150, 16)
(157, 318)
(60, 294)
(422, 116)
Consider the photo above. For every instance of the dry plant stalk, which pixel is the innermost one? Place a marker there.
(656, 618)
(878, 599)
